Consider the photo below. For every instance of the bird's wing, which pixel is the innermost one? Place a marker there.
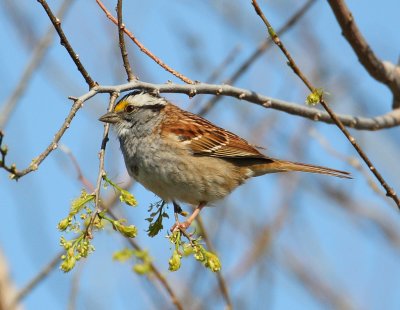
(204, 138)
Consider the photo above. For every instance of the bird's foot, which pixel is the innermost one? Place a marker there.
(182, 226)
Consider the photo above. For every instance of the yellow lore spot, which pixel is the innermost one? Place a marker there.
(121, 106)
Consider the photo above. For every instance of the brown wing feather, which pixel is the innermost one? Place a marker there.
(205, 138)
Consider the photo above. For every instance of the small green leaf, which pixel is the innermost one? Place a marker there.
(79, 203)
(156, 218)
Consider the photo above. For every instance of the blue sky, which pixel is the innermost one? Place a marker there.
(347, 251)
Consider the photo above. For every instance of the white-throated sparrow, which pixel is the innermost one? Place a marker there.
(180, 156)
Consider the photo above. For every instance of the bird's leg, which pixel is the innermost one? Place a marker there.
(177, 211)
(184, 225)
(177, 208)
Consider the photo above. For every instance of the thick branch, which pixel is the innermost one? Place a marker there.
(388, 120)
(384, 72)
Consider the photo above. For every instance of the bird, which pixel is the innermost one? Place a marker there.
(182, 157)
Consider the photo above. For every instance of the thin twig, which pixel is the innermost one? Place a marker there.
(214, 76)
(389, 191)
(351, 160)
(221, 281)
(64, 42)
(382, 71)
(77, 167)
(155, 270)
(38, 54)
(143, 48)
(101, 173)
(331, 295)
(122, 46)
(34, 165)
(50, 266)
(361, 211)
(76, 278)
(264, 45)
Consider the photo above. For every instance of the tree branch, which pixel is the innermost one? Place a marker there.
(64, 42)
(387, 120)
(384, 72)
(262, 47)
(220, 278)
(50, 266)
(143, 48)
(122, 46)
(38, 54)
(389, 191)
(101, 173)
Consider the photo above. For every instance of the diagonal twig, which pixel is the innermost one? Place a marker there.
(389, 191)
(101, 173)
(382, 71)
(50, 266)
(221, 281)
(262, 47)
(161, 278)
(143, 48)
(38, 54)
(64, 42)
(122, 46)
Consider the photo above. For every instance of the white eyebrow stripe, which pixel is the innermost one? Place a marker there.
(144, 99)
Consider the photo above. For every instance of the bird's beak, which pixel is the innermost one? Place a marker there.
(110, 117)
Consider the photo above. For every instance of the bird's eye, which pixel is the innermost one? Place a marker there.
(129, 108)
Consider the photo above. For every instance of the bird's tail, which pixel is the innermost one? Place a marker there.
(285, 166)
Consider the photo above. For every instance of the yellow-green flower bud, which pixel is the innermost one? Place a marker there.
(127, 198)
(175, 261)
(128, 231)
(141, 269)
(63, 224)
(212, 262)
(68, 263)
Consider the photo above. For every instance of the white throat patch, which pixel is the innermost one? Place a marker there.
(139, 100)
